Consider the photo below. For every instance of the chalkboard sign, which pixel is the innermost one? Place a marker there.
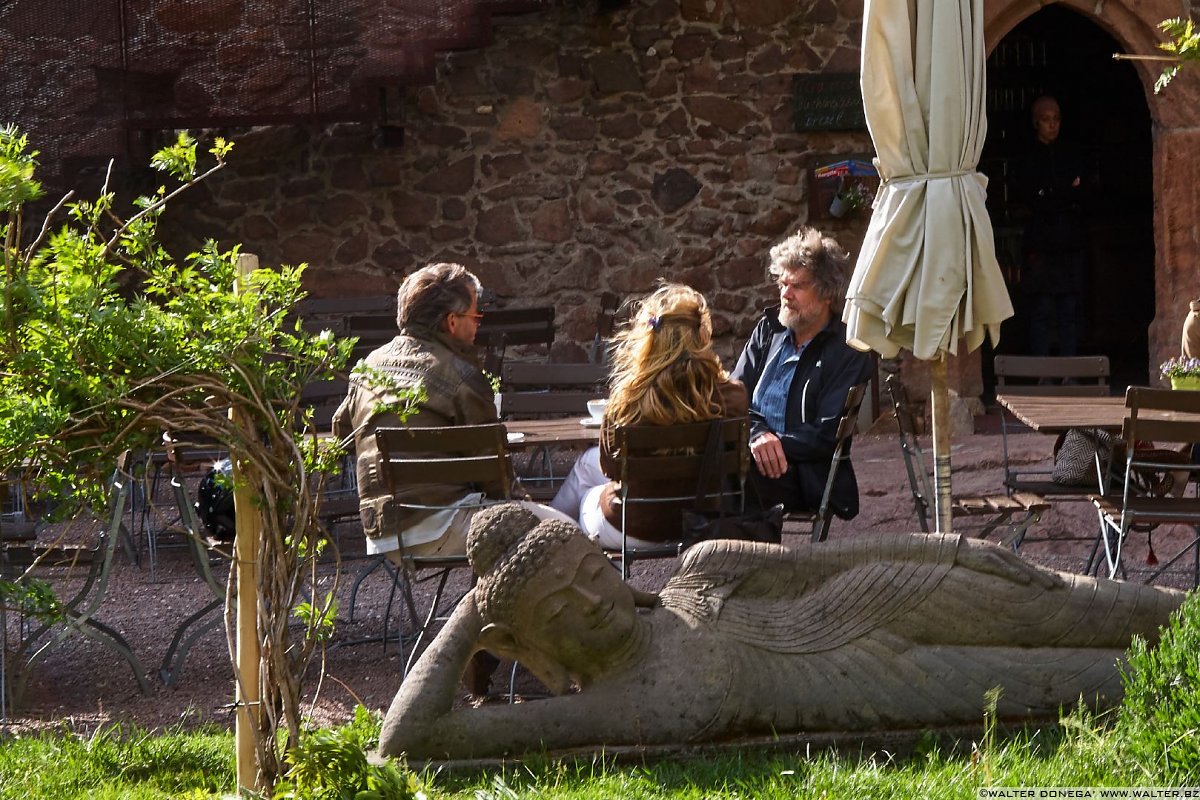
(828, 102)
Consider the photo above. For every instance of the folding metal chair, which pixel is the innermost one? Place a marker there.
(978, 515)
(533, 390)
(474, 456)
(1171, 420)
(25, 558)
(660, 467)
(1064, 376)
(503, 328)
(820, 518)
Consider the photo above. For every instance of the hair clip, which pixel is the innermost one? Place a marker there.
(656, 322)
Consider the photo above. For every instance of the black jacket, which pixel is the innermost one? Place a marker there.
(824, 375)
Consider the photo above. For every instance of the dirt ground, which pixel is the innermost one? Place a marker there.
(83, 684)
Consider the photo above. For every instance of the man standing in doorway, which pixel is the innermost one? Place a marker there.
(798, 369)
(1055, 246)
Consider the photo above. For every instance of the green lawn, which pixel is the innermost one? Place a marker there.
(131, 764)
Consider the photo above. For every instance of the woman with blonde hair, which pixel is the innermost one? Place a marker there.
(664, 373)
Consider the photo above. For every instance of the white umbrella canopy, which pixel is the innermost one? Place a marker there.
(927, 274)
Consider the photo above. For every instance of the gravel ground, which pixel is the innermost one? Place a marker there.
(83, 684)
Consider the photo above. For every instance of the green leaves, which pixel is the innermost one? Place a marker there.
(109, 341)
(332, 763)
(1184, 44)
(17, 164)
(179, 159)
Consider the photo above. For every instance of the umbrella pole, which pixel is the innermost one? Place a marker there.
(940, 404)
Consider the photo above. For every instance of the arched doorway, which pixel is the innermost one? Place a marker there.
(1061, 52)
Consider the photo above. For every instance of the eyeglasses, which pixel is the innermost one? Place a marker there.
(475, 315)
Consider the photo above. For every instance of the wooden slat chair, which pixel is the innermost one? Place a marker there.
(819, 520)
(372, 332)
(978, 515)
(502, 328)
(23, 559)
(468, 454)
(532, 390)
(661, 465)
(1063, 376)
(1125, 507)
(606, 325)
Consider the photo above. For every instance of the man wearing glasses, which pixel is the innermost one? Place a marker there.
(798, 368)
(437, 312)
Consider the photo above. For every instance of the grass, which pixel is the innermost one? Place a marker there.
(116, 762)
(1077, 754)
(124, 763)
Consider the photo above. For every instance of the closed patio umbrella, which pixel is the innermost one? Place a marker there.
(927, 274)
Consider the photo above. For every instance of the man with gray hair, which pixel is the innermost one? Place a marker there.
(798, 369)
(437, 312)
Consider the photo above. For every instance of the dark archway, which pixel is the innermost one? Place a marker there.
(1060, 52)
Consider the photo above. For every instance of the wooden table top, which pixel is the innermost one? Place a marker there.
(1055, 414)
(542, 432)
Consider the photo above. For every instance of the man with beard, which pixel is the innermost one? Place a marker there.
(797, 369)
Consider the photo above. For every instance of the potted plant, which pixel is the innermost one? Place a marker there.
(1184, 373)
(851, 197)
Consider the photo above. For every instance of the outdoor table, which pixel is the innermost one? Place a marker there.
(550, 433)
(1055, 414)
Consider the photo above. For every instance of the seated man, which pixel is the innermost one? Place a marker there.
(437, 311)
(872, 633)
(798, 369)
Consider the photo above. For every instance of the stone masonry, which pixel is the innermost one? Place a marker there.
(578, 152)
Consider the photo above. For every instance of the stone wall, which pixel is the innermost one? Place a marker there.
(580, 151)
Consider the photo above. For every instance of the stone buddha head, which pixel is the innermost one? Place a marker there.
(549, 597)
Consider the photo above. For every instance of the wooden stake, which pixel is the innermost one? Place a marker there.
(246, 544)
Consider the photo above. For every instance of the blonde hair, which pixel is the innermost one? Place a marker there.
(664, 369)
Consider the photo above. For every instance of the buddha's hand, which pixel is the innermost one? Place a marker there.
(1004, 563)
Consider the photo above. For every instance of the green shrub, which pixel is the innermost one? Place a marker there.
(1159, 722)
(331, 764)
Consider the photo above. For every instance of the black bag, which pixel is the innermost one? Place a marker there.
(699, 526)
(753, 526)
(214, 501)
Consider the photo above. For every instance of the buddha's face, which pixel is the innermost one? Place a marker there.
(577, 609)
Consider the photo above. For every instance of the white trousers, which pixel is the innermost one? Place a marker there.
(579, 498)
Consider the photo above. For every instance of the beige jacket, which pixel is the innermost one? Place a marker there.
(457, 393)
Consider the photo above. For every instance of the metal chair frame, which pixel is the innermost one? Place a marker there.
(650, 454)
(1032, 375)
(1127, 508)
(465, 454)
(980, 514)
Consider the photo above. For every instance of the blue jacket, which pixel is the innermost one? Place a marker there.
(824, 375)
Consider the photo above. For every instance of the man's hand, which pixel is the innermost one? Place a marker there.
(767, 452)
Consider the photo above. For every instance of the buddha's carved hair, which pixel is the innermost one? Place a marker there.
(507, 545)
